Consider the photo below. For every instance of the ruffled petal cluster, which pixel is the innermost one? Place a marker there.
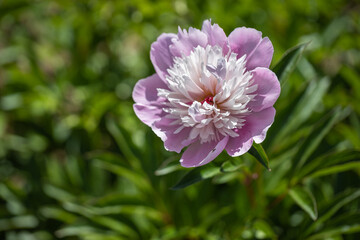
(210, 92)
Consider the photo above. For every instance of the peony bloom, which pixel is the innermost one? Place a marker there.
(210, 92)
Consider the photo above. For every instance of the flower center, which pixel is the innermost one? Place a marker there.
(208, 100)
(208, 92)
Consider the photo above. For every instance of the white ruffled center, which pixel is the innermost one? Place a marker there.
(208, 92)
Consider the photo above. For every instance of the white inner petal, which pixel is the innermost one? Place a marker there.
(208, 92)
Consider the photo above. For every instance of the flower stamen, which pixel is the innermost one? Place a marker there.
(208, 100)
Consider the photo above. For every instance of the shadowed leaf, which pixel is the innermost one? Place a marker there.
(288, 62)
(259, 153)
(318, 133)
(196, 175)
(338, 203)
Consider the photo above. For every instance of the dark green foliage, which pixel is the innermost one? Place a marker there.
(76, 163)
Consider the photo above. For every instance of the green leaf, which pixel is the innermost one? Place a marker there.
(348, 218)
(138, 179)
(14, 204)
(336, 169)
(311, 99)
(72, 168)
(105, 221)
(328, 160)
(196, 175)
(215, 216)
(58, 193)
(288, 62)
(345, 199)
(318, 133)
(84, 230)
(168, 166)
(122, 143)
(305, 199)
(232, 165)
(10, 7)
(263, 230)
(131, 210)
(18, 222)
(57, 214)
(338, 231)
(115, 225)
(259, 153)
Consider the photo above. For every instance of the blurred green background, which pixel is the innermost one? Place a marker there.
(76, 163)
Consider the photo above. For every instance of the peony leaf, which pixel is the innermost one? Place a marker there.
(300, 114)
(196, 175)
(318, 133)
(304, 199)
(341, 223)
(336, 169)
(115, 131)
(108, 222)
(259, 153)
(139, 179)
(328, 161)
(168, 166)
(334, 207)
(232, 165)
(288, 62)
(336, 232)
(263, 230)
(85, 230)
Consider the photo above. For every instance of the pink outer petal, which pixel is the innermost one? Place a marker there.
(148, 106)
(198, 154)
(258, 50)
(239, 145)
(261, 56)
(187, 41)
(145, 90)
(215, 35)
(259, 122)
(172, 142)
(160, 54)
(268, 89)
(148, 114)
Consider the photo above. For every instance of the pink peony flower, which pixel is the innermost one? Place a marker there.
(210, 92)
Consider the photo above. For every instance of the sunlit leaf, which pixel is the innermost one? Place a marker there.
(58, 193)
(168, 166)
(58, 214)
(18, 222)
(105, 221)
(305, 199)
(15, 206)
(328, 160)
(263, 230)
(84, 231)
(337, 231)
(232, 165)
(336, 169)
